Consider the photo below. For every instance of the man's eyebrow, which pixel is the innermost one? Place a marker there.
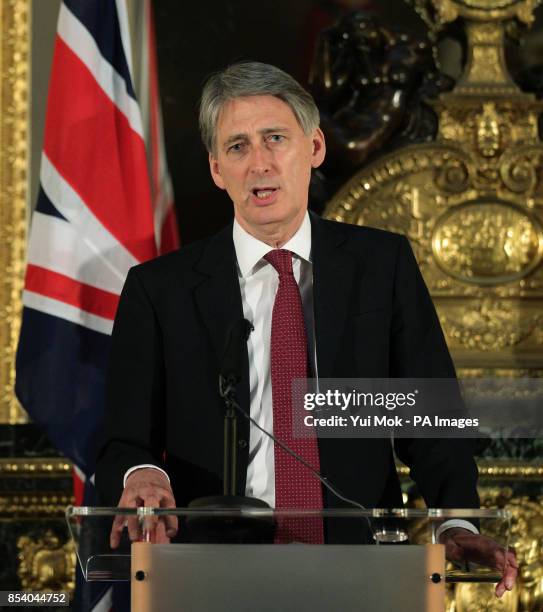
(235, 138)
(244, 136)
(273, 130)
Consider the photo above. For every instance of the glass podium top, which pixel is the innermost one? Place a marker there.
(432, 514)
(103, 536)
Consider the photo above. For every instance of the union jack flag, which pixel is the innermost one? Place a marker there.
(105, 204)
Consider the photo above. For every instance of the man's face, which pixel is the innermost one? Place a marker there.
(263, 159)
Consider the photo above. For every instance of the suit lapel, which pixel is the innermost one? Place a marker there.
(218, 297)
(333, 280)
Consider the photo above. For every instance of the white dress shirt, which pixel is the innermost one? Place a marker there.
(258, 282)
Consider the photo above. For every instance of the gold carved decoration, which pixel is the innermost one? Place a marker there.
(527, 541)
(488, 326)
(34, 505)
(499, 470)
(525, 536)
(484, 10)
(471, 202)
(487, 243)
(46, 503)
(45, 563)
(36, 521)
(14, 77)
(35, 467)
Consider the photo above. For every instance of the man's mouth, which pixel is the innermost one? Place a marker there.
(264, 196)
(263, 193)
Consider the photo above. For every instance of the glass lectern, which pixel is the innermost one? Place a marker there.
(373, 560)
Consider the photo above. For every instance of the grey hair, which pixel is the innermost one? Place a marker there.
(253, 79)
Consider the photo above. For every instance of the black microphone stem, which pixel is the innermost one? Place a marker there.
(230, 439)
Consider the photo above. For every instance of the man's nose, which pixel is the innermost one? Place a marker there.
(261, 159)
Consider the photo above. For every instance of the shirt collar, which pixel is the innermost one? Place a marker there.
(250, 250)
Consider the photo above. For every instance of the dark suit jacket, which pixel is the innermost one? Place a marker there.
(373, 318)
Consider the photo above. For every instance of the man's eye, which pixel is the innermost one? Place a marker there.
(236, 148)
(276, 137)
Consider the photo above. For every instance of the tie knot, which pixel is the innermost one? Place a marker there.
(281, 260)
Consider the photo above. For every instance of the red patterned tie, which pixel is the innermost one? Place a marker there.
(295, 487)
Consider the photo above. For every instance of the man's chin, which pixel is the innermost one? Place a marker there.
(269, 215)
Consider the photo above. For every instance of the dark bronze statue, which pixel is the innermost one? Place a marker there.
(370, 82)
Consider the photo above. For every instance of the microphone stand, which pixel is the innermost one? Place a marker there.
(227, 391)
(233, 529)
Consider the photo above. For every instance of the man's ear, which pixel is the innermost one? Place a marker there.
(215, 172)
(319, 148)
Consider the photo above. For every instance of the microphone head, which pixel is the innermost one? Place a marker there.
(234, 352)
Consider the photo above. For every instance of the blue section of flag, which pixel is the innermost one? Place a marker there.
(60, 382)
(101, 20)
(46, 207)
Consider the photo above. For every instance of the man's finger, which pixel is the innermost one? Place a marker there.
(510, 573)
(507, 582)
(512, 558)
(134, 531)
(116, 530)
(500, 589)
(128, 500)
(160, 533)
(172, 525)
(510, 576)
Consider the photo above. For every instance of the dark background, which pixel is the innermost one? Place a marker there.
(198, 38)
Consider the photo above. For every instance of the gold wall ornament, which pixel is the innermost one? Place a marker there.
(45, 563)
(42, 466)
(14, 77)
(527, 541)
(488, 131)
(490, 326)
(483, 10)
(498, 470)
(471, 202)
(485, 70)
(42, 505)
(480, 597)
(526, 537)
(487, 243)
(35, 494)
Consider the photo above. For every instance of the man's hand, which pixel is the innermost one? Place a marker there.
(145, 487)
(463, 546)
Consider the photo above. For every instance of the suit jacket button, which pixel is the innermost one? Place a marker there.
(242, 443)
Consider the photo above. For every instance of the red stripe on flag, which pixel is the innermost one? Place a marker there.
(65, 289)
(169, 239)
(169, 234)
(153, 93)
(92, 145)
(79, 488)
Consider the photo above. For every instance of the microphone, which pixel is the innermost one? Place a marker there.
(232, 359)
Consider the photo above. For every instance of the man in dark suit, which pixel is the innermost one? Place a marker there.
(367, 314)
